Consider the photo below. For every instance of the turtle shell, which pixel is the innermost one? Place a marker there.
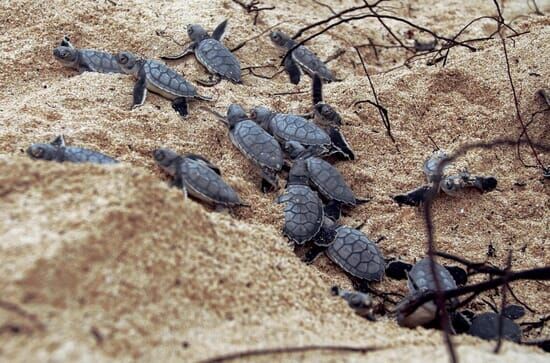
(218, 59)
(485, 326)
(356, 254)
(98, 61)
(311, 64)
(421, 275)
(81, 155)
(257, 144)
(286, 127)
(303, 213)
(166, 81)
(329, 181)
(204, 183)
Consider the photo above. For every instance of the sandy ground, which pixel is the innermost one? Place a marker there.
(110, 264)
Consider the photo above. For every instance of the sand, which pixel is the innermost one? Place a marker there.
(111, 264)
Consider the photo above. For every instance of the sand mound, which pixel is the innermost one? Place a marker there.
(113, 265)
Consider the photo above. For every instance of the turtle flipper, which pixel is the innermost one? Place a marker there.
(214, 80)
(313, 253)
(269, 181)
(484, 183)
(292, 70)
(340, 144)
(184, 53)
(59, 141)
(180, 106)
(204, 161)
(414, 197)
(333, 209)
(66, 42)
(220, 30)
(140, 91)
(317, 92)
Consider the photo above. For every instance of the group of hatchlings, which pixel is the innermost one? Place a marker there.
(315, 190)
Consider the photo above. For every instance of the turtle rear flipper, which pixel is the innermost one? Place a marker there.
(317, 92)
(180, 106)
(220, 30)
(292, 70)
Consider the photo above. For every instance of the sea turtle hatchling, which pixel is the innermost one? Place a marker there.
(301, 57)
(354, 252)
(420, 281)
(212, 54)
(58, 151)
(255, 144)
(287, 127)
(158, 78)
(198, 177)
(86, 60)
(304, 211)
(330, 120)
(325, 177)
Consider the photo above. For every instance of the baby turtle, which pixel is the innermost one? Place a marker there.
(286, 127)
(301, 57)
(86, 60)
(254, 143)
(330, 120)
(212, 54)
(58, 151)
(198, 177)
(486, 326)
(325, 177)
(420, 281)
(361, 303)
(356, 254)
(158, 78)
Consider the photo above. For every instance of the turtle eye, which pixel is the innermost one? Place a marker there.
(37, 152)
(159, 155)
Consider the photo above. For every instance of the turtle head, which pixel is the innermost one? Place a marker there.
(280, 39)
(66, 55)
(298, 174)
(235, 113)
(422, 315)
(327, 115)
(196, 32)
(261, 115)
(294, 149)
(128, 62)
(166, 159)
(42, 151)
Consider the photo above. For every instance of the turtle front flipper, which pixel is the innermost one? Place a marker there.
(333, 209)
(66, 42)
(292, 69)
(340, 144)
(313, 253)
(317, 92)
(269, 180)
(205, 161)
(220, 30)
(140, 90)
(181, 55)
(414, 197)
(212, 81)
(483, 183)
(59, 141)
(180, 106)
